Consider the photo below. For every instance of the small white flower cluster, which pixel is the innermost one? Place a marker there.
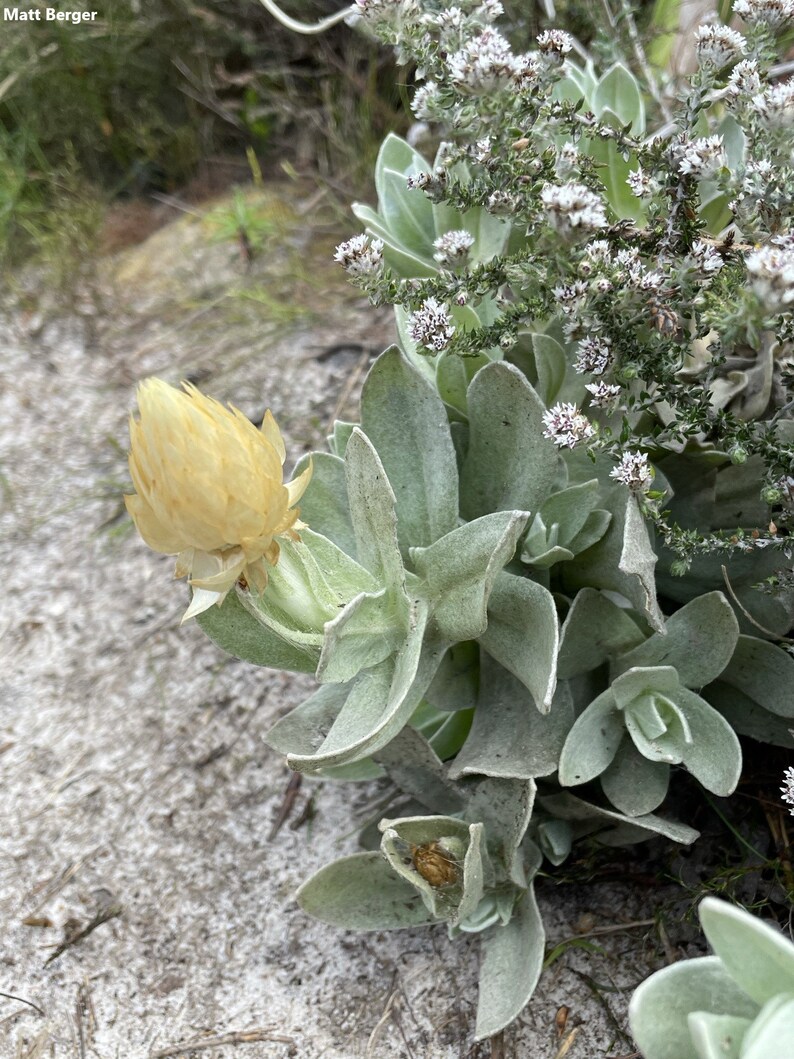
(633, 470)
(484, 64)
(502, 203)
(787, 791)
(554, 45)
(705, 258)
(566, 426)
(717, 46)
(593, 356)
(360, 256)
(632, 272)
(771, 13)
(432, 183)
(426, 103)
(571, 297)
(745, 80)
(431, 326)
(776, 105)
(603, 394)
(771, 272)
(573, 206)
(567, 160)
(643, 185)
(701, 158)
(452, 248)
(599, 252)
(786, 486)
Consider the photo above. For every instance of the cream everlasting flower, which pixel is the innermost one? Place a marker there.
(209, 489)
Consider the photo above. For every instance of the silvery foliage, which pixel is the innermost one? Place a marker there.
(736, 1004)
(478, 594)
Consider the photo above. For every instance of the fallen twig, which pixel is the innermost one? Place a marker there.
(199, 1044)
(287, 803)
(111, 912)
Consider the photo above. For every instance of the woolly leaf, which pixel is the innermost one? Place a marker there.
(634, 784)
(372, 511)
(240, 633)
(324, 505)
(594, 630)
(592, 742)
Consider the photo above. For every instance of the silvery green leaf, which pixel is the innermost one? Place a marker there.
(362, 892)
(512, 959)
(380, 702)
(372, 511)
(404, 418)
(324, 505)
(772, 1033)
(451, 734)
(632, 783)
(717, 1036)
(555, 839)
(453, 377)
(370, 628)
(660, 1005)
(618, 91)
(622, 561)
(240, 633)
(639, 680)
(596, 525)
(337, 441)
(550, 364)
(698, 641)
(748, 717)
(714, 757)
(759, 959)
(509, 464)
(594, 630)
(523, 634)
(587, 819)
(764, 673)
(504, 808)
(569, 508)
(407, 212)
(508, 737)
(303, 729)
(592, 742)
(412, 764)
(456, 682)
(460, 569)
(657, 724)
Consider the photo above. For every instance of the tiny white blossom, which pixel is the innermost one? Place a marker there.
(642, 184)
(571, 296)
(702, 158)
(599, 251)
(452, 248)
(567, 159)
(483, 151)
(603, 394)
(772, 13)
(633, 470)
(786, 486)
(361, 255)
(705, 258)
(771, 272)
(501, 203)
(426, 102)
(571, 206)
(745, 80)
(787, 791)
(431, 326)
(566, 426)
(528, 71)
(776, 105)
(717, 45)
(593, 356)
(652, 281)
(554, 45)
(484, 64)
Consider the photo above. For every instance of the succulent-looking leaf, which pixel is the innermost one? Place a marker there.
(324, 505)
(372, 512)
(698, 641)
(460, 569)
(512, 959)
(660, 1006)
(772, 1033)
(592, 742)
(456, 682)
(303, 729)
(764, 673)
(411, 763)
(404, 418)
(756, 956)
(240, 633)
(714, 756)
(369, 629)
(508, 737)
(749, 717)
(504, 806)
(613, 828)
(634, 784)
(594, 630)
(509, 465)
(717, 1036)
(362, 892)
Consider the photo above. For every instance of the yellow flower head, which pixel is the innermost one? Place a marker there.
(209, 489)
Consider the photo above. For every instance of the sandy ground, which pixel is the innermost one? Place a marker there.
(137, 793)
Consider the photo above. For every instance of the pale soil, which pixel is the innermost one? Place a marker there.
(134, 773)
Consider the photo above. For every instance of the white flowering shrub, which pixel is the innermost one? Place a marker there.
(550, 568)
